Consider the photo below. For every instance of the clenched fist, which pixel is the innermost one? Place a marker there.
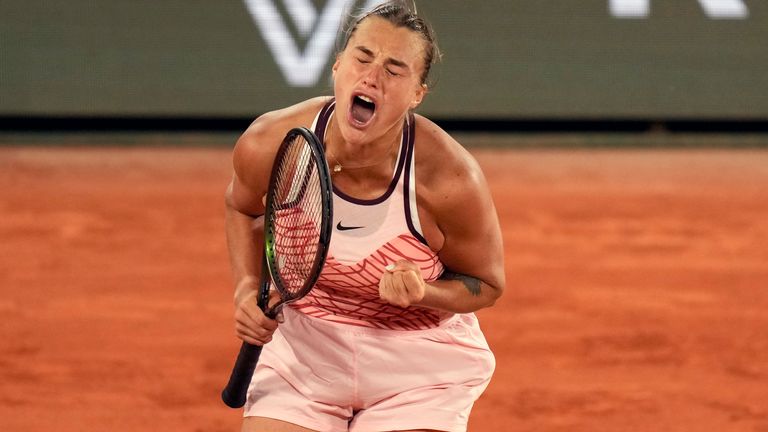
(402, 284)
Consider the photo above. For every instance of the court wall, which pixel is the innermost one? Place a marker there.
(503, 60)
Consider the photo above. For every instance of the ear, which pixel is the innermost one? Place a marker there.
(335, 66)
(419, 95)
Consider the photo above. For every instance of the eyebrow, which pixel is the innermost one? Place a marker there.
(390, 60)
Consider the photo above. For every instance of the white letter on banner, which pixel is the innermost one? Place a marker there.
(629, 8)
(301, 69)
(716, 9)
(727, 9)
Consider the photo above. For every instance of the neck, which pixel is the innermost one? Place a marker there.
(344, 156)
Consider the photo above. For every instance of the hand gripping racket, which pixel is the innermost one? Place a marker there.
(297, 231)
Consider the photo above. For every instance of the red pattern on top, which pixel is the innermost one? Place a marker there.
(296, 243)
(350, 293)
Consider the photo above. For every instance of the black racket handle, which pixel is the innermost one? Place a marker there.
(236, 391)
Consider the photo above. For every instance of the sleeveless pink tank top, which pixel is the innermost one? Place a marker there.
(367, 236)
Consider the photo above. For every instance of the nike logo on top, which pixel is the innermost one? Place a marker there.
(341, 227)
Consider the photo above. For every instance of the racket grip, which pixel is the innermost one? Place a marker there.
(236, 391)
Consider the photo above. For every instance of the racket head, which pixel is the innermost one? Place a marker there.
(297, 233)
(298, 219)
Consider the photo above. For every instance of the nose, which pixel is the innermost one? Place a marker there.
(371, 78)
(369, 83)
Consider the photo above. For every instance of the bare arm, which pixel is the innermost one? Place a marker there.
(244, 237)
(244, 231)
(252, 160)
(461, 205)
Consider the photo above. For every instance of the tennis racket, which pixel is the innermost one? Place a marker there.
(297, 232)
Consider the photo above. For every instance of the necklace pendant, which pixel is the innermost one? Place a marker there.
(337, 168)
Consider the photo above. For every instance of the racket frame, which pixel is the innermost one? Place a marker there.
(235, 393)
(326, 227)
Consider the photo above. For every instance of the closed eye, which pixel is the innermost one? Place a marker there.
(365, 56)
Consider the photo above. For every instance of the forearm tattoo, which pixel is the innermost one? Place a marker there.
(470, 283)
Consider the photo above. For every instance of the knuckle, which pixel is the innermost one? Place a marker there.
(384, 295)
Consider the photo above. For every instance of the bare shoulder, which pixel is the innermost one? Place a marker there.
(256, 148)
(444, 166)
(300, 114)
(265, 133)
(456, 209)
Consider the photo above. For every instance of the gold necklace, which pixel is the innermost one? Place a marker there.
(338, 166)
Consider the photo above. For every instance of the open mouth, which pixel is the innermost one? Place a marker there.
(362, 109)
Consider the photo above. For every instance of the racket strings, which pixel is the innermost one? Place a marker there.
(297, 216)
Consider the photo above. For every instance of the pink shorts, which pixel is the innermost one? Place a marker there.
(336, 377)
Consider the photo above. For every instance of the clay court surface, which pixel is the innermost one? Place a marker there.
(637, 294)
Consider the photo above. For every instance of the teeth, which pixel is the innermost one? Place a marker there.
(365, 98)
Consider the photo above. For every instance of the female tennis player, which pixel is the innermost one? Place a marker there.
(387, 338)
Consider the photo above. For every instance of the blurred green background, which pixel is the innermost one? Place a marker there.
(503, 60)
